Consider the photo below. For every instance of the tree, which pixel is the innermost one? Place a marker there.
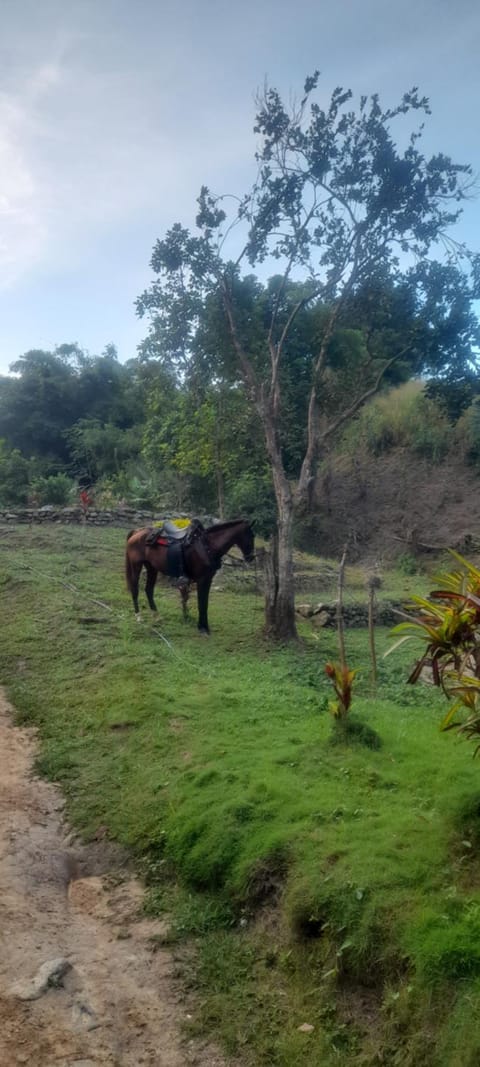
(14, 476)
(51, 392)
(38, 404)
(341, 207)
(100, 449)
(203, 434)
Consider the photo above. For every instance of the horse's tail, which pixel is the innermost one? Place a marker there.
(128, 565)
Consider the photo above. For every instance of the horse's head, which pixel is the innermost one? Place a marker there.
(246, 542)
(222, 535)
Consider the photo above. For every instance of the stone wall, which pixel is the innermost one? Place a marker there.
(386, 613)
(119, 516)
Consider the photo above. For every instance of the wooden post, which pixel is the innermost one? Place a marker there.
(340, 626)
(373, 583)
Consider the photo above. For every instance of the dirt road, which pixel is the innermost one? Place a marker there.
(80, 984)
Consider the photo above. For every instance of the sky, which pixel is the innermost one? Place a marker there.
(113, 113)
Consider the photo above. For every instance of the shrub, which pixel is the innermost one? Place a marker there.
(55, 489)
(402, 418)
(449, 622)
(14, 476)
(407, 563)
(467, 434)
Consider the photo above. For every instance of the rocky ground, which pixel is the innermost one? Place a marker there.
(83, 980)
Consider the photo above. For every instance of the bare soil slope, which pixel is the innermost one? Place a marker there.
(396, 503)
(80, 983)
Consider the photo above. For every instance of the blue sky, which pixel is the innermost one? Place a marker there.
(114, 112)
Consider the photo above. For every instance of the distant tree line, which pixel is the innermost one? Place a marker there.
(135, 432)
(157, 432)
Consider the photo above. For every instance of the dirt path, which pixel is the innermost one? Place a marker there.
(108, 998)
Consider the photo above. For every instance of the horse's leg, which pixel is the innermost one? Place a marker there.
(203, 589)
(185, 594)
(150, 585)
(135, 569)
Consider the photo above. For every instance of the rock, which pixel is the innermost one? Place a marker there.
(50, 974)
(306, 1028)
(305, 610)
(83, 1017)
(320, 618)
(78, 1063)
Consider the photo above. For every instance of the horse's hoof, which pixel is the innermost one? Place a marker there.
(204, 633)
(138, 617)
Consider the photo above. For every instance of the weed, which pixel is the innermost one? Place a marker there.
(407, 564)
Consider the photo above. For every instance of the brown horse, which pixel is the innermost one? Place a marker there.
(202, 558)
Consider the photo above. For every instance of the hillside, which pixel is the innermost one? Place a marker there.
(395, 503)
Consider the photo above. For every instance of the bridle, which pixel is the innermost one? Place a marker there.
(216, 558)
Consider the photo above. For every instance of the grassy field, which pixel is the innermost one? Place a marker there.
(306, 881)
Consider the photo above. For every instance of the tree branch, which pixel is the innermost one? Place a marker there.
(245, 362)
(347, 414)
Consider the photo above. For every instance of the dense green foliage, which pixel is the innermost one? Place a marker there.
(186, 447)
(132, 431)
(332, 885)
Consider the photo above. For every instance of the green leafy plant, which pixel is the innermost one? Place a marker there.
(407, 563)
(342, 679)
(449, 622)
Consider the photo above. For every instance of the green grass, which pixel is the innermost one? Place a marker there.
(329, 884)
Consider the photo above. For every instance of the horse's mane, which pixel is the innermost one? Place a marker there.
(225, 525)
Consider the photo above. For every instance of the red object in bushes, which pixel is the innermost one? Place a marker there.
(85, 500)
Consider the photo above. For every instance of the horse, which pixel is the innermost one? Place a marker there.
(202, 558)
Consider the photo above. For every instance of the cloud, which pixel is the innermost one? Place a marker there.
(22, 230)
(24, 198)
(110, 124)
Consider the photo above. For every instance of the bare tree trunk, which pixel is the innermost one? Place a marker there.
(371, 635)
(285, 627)
(220, 492)
(340, 625)
(374, 582)
(280, 595)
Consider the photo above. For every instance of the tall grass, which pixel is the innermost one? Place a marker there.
(402, 418)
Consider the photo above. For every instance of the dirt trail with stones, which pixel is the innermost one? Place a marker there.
(82, 980)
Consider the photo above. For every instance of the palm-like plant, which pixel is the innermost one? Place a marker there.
(449, 622)
(342, 680)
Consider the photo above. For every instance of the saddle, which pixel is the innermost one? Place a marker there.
(175, 540)
(169, 534)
